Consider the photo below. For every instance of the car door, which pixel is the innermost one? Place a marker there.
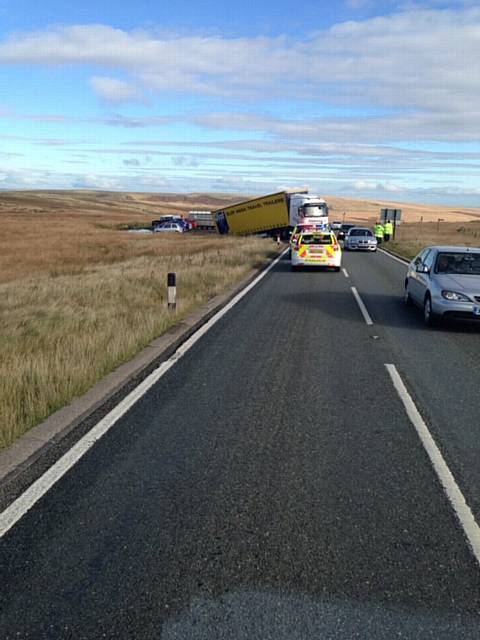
(415, 282)
(424, 277)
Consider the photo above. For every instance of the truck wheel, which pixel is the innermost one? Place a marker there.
(337, 269)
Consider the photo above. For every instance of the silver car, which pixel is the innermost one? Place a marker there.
(168, 227)
(445, 282)
(360, 238)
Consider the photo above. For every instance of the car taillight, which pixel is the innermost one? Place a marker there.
(336, 247)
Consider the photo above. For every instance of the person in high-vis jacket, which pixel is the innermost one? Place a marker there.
(379, 232)
(388, 231)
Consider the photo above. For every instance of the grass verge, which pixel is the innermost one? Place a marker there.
(83, 312)
(411, 238)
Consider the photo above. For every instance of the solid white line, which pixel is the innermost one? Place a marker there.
(457, 500)
(24, 502)
(405, 262)
(363, 308)
(345, 273)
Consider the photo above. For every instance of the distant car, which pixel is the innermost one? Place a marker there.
(360, 238)
(169, 227)
(316, 249)
(171, 219)
(336, 224)
(344, 229)
(445, 282)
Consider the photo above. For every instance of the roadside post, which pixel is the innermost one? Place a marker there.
(172, 291)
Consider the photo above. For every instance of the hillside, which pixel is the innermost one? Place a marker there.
(123, 207)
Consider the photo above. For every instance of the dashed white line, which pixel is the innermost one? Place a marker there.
(450, 486)
(14, 512)
(345, 273)
(363, 308)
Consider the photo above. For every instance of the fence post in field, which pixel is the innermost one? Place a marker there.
(172, 291)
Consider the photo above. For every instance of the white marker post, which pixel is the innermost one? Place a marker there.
(172, 291)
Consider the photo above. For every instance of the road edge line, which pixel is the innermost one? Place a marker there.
(455, 496)
(23, 503)
(394, 256)
(48, 435)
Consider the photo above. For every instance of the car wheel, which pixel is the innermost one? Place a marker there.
(294, 267)
(429, 317)
(407, 297)
(337, 269)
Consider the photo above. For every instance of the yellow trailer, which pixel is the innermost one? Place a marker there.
(254, 216)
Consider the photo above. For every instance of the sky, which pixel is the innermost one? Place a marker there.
(354, 98)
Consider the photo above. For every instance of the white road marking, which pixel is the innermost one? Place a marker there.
(451, 488)
(39, 488)
(363, 308)
(400, 260)
(345, 273)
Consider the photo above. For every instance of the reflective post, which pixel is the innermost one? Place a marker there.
(172, 291)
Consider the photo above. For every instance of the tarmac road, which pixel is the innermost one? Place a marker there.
(270, 485)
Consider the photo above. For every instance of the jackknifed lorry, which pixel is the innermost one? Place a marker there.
(276, 213)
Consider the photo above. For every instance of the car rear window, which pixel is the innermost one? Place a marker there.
(317, 239)
(361, 232)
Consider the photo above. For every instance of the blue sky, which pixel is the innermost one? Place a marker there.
(355, 98)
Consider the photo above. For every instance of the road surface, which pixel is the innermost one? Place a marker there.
(271, 484)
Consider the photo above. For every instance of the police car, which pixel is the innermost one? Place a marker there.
(316, 249)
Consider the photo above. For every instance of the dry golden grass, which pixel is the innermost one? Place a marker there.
(410, 239)
(368, 211)
(78, 298)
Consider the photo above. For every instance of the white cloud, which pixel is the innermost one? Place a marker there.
(94, 181)
(413, 71)
(185, 161)
(365, 185)
(416, 59)
(115, 91)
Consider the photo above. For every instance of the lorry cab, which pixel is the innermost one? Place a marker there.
(305, 209)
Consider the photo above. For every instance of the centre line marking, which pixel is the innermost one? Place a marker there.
(345, 273)
(363, 308)
(449, 484)
(17, 509)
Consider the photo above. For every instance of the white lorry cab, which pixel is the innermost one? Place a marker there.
(308, 210)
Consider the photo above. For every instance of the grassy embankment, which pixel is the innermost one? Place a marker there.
(78, 298)
(411, 238)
